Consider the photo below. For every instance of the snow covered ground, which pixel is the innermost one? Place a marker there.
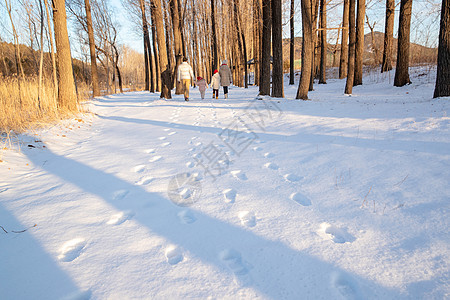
(341, 197)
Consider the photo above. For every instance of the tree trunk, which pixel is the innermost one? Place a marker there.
(90, 29)
(314, 15)
(291, 44)
(343, 60)
(157, 12)
(351, 48)
(175, 15)
(119, 76)
(147, 50)
(307, 50)
(386, 64)
(19, 68)
(157, 70)
(244, 59)
(264, 88)
(67, 98)
(442, 88)
(41, 50)
(256, 40)
(359, 46)
(215, 62)
(401, 71)
(241, 45)
(50, 34)
(323, 42)
(277, 50)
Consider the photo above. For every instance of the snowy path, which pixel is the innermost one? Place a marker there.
(339, 197)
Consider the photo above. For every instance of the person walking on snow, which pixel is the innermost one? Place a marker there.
(202, 86)
(225, 77)
(184, 76)
(166, 83)
(215, 84)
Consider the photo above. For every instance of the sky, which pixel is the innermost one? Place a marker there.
(424, 29)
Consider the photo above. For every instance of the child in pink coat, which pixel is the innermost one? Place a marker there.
(202, 86)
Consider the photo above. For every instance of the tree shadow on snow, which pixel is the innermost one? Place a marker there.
(28, 270)
(268, 266)
(440, 148)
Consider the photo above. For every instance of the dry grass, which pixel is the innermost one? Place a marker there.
(21, 108)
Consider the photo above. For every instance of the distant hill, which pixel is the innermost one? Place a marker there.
(419, 53)
(30, 62)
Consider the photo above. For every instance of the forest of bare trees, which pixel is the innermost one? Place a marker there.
(248, 33)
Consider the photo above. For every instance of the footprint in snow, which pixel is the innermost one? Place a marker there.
(172, 133)
(233, 260)
(139, 169)
(269, 155)
(186, 217)
(166, 129)
(155, 158)
(71, 249)
(239, 175)
(248, 218)
(173, 255)
(230, 195)
(337, 235)
(257, 148)
(300, 199)
(162, 138)
(144, 180)
(291, 177)
(120, 194)
(150, 151)
(165, 144)
(120, 217)
(272, 166)
(190, 164)
(346, 286)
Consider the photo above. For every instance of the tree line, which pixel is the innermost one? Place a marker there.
(206, 31)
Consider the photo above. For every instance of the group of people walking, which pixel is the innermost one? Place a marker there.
(221, 77)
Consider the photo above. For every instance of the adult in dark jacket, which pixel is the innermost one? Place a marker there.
(166, 83)
(225, 77)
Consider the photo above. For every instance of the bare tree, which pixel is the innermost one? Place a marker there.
(149, 85)
(374, 45)
(323, 42)
(52, 50)
(215, 63)
(307, 50)
(351, 48)
(157, 71)
(359, 45)
(41, 50)
(177, 41)
(291, 44)
(386, 64)
(442, 88)
(158, 18)
(90, 29)
(264, 87)
(67, 98)
(257, 33)
(343, 61)
(401, 71)
(277, 50)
